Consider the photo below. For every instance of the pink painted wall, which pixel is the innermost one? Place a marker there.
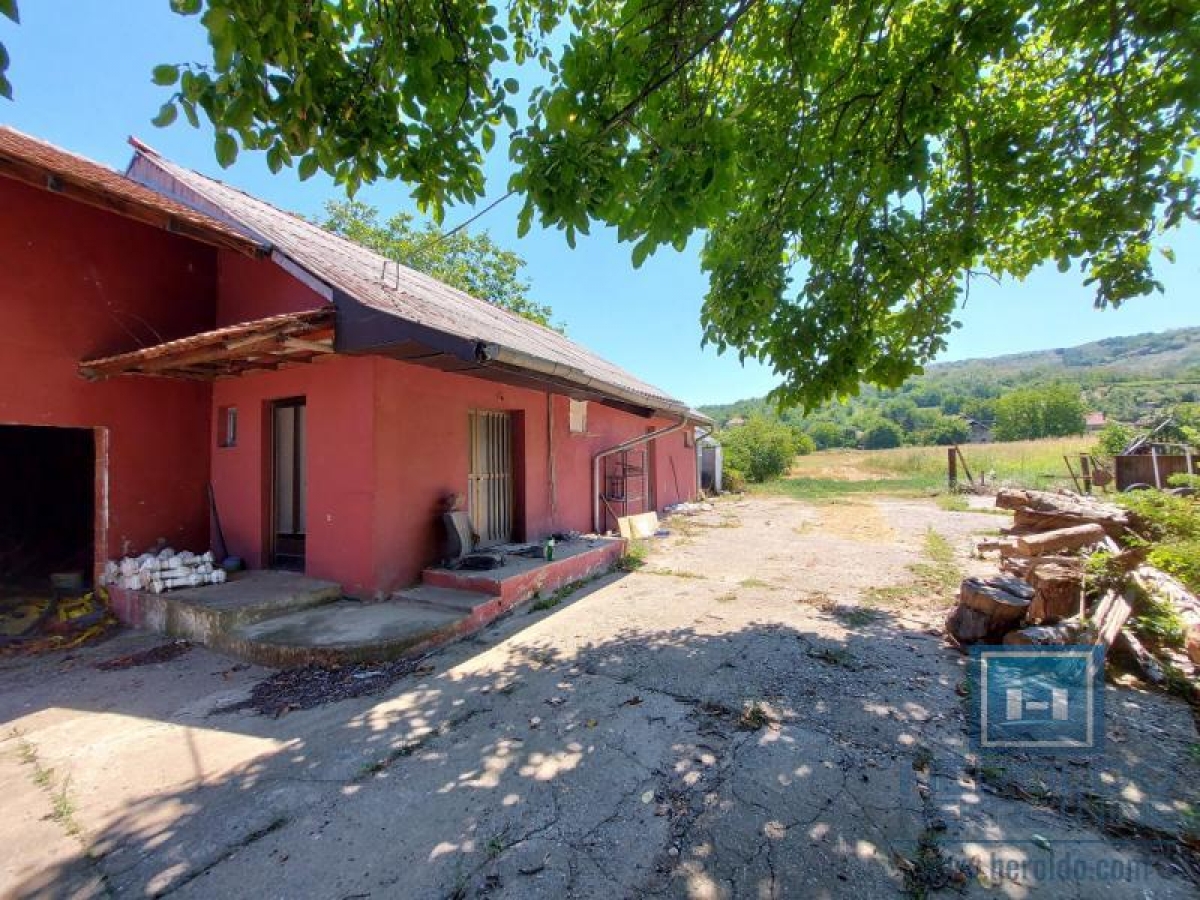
(422, 455)
(340, 475)
(80, 282)
(387, 442)
(252, 289)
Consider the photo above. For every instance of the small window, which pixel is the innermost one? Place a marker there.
(689, 438)
(578, 417)
(227, 426)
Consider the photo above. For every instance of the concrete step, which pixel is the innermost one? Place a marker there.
(455, 600)
(343, 632)
(203, 614)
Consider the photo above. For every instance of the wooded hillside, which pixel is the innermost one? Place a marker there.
(1135, 379)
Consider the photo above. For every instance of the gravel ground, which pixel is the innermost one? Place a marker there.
(765, 709)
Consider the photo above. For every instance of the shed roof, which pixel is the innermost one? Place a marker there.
(484, 338)
(50, 168)
(269, 343)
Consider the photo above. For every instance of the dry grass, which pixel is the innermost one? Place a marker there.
(910, 471)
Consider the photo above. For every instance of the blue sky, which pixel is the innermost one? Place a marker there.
(81, 76)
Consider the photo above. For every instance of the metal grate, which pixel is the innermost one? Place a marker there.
(490, 482)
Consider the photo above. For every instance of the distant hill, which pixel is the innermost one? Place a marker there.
(1133, 379)
(1162, 353)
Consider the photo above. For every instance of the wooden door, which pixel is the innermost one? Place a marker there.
(289, 488)
(490, 480)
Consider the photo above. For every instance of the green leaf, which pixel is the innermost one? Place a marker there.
(166, 115)
(8, 9)
(165, 75)
(185, 7)
(511, 85)
(226, 148)
(189, 112)
(308, 166)
(5, 88)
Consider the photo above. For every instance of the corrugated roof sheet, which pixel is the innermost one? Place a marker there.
(21, 156)
(381, 283)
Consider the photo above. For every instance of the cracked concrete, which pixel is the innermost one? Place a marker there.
(601, 749)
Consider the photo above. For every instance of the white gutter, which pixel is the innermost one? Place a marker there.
(627, 445)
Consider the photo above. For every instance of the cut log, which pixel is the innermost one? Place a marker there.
(1021, 566)
(1016, 586)
(1071, 632)
(1001, 610)
(1058, 593)
(1139, 659)
(1071, 509)
(1062, 539)
(989, 545)
(1110, 617)
(1159, 584)
(966, 625)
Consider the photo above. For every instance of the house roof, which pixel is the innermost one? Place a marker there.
(268, 343)
(50, 168)
(482, 338)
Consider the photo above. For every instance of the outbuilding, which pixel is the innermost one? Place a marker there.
(175, 347)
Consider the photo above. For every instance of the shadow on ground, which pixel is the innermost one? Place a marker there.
(556, 757)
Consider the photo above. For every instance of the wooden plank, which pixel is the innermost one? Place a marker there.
(1111, 614)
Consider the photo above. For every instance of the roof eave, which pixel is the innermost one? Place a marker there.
(48, 179)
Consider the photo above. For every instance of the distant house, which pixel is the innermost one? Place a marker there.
(735, 422)
(1095, 421)
(980, 433)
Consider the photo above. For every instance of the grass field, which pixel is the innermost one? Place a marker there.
(921, 471)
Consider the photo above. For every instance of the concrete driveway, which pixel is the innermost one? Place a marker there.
(764, 710)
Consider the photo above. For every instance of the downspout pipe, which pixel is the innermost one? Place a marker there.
(620, 448)
(699, 440)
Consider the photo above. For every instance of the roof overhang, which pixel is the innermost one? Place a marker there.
(366, 330)
(43, 173)
(263, 344)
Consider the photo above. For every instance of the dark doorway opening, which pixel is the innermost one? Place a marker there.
(47, 504)
(289, 484)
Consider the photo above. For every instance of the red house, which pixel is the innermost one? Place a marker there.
(165, 333)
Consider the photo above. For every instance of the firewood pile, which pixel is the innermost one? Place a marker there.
(163, 571)
(1041, 596)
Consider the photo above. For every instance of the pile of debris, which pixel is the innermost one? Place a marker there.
(1041, 595)
(163, 571)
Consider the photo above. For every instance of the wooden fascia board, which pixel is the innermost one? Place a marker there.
(66, 186)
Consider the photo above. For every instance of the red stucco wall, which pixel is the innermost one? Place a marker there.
(79, 282)
(387, 442)
(256, 288)
(340, 473)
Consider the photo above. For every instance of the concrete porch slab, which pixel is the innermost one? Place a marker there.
(343, 632)
(521, 577)
(203, 614)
